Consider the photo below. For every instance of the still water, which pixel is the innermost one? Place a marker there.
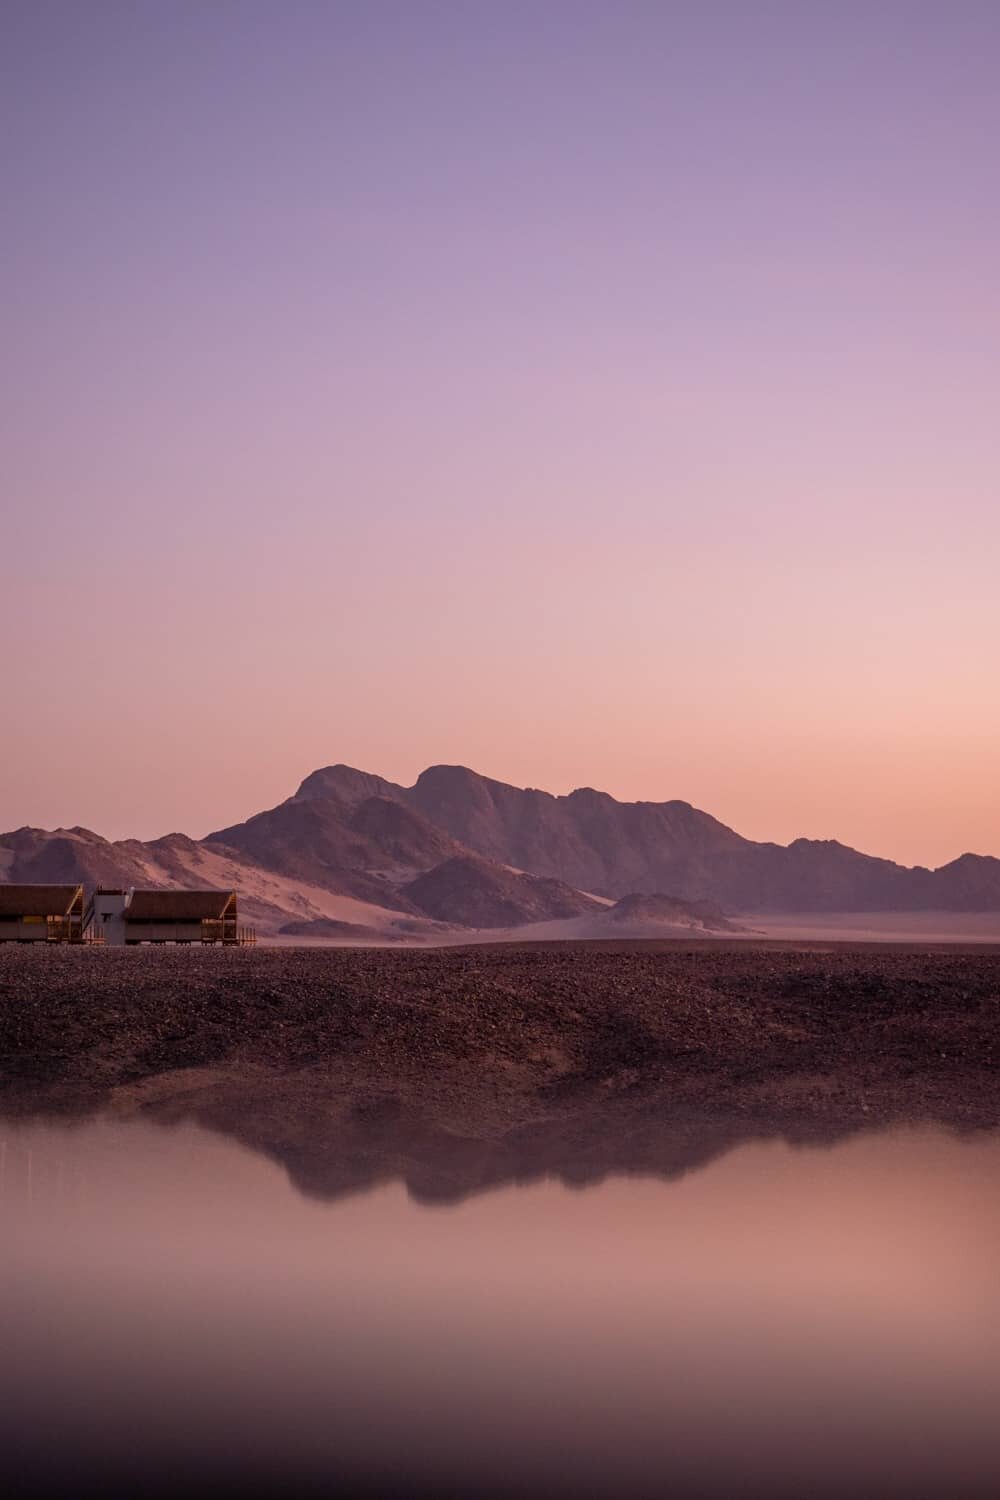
(802, 1321)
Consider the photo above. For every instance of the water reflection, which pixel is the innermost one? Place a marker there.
(784, 1320)
(456, 1137)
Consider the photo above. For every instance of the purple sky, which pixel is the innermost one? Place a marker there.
(593, 394)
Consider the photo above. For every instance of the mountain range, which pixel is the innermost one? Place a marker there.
(351, 855)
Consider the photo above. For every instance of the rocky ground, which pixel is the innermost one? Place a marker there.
(457, 1069)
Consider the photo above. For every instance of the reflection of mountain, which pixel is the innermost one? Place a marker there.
(379, 1141)
(333, 1141)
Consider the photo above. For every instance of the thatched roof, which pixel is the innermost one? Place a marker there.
(180, 906)
(38, 900)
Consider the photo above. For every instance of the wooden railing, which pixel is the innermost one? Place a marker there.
(64, 929)
(227, 931)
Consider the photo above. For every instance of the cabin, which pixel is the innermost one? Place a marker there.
(115, 917)
(41, 913)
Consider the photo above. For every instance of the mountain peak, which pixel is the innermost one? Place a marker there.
(459, 846)
(175, 841)
(344, 784)
(444, 775)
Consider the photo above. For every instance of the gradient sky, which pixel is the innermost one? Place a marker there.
(594, 394)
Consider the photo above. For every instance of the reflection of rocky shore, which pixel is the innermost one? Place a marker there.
(460, 1070)
(373, 1139)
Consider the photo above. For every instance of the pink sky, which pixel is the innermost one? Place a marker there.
(589, 397)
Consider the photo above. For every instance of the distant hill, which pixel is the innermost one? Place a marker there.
(592, 842)
(645, 913)
(350, 850)
(597, 844)
(367, 848)
(480, 893)
(269, 898)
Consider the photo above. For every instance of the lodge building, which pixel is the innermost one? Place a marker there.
(116, 917)
(41, 913)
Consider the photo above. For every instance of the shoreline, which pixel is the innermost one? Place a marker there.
(299, 1049)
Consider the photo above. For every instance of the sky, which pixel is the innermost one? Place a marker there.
(593, 394)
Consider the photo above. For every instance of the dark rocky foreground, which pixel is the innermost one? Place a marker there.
(458, 1069)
